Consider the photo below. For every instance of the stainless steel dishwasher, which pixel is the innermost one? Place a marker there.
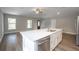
(44, 44)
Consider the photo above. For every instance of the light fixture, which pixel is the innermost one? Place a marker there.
(58, 13)
(38, 10)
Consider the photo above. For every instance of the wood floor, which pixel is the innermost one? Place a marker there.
(13, 42)
(68, 43)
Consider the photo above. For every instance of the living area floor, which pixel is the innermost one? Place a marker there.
(68, 43)
(13, 42)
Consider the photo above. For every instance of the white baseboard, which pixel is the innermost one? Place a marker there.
(9, 32)
(70, 33)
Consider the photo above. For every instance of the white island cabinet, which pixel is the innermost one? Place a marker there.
(31, 39)
(55, 39)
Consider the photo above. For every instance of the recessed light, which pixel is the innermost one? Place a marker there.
(58, 13)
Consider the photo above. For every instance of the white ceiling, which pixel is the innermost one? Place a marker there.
(50, 12)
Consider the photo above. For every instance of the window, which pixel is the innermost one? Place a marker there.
(29, 23)
(11, 23)
(38, 22)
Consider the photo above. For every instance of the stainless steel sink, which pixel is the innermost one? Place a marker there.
(51, 30)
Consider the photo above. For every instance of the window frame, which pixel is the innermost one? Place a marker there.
(11, 24)
(29, 24)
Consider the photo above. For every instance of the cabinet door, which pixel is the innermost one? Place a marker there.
(59, 36)
(53, 41)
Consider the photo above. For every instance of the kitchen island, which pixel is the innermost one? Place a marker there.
(32, 39)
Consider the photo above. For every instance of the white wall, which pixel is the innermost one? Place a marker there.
(1, 26)
(67, 24)
(48, 23)
(20, 23)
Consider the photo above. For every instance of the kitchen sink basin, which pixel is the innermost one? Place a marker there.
(51, 30)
